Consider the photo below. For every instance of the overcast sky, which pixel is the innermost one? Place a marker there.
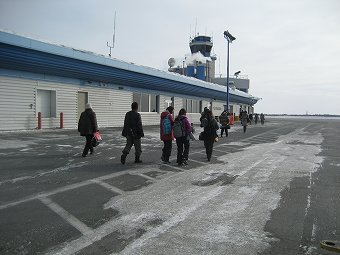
(290, 50)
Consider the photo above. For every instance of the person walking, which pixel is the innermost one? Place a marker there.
(87, 126)
(256, 118)
(203, 117)
(167, 133)
(262, 118)
(224, 120)
(244, 120)
(250, 118)
(133, 131)
(182, 129)
(210, 134)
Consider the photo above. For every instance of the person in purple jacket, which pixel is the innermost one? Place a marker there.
(183, 143)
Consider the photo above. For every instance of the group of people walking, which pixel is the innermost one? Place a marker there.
(245, 119)
(171, 128)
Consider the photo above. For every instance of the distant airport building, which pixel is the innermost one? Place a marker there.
(55, 82)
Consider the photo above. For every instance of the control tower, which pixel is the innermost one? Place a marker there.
(200, 64)
(201, 44)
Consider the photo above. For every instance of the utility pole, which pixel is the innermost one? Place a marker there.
(230, 39)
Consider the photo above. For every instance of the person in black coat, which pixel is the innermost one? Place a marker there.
(133, 131)
(87, 125)
(224, 120)
(210, 134)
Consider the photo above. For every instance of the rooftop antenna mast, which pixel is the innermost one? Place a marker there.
(195, 27)
(113, 36)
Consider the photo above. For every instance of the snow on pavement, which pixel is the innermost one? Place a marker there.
(218, 219)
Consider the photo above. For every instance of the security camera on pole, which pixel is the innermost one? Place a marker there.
(230, 39)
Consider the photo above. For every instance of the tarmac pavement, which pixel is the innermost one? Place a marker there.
(272, 190)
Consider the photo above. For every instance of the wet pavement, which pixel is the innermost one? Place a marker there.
(272, 190)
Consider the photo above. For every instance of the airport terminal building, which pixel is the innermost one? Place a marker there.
(57, 81)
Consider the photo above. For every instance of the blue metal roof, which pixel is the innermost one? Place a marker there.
(24, 54)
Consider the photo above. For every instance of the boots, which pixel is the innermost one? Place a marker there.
(137, 160)
(165, 159)
(123, 158)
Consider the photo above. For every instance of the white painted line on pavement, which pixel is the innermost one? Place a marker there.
(147, 177)
(65, 188)
(174, 167)
(66, 215)
(109, 187)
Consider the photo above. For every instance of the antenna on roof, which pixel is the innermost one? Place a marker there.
(113, 36)
(195, 27)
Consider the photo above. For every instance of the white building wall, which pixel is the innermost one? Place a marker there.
(110, 105)
(150, 118)
(66, 103)
(162, 102)
(18, 105)
(16, 97)
(206, 104)
(194, 118)
(178, 105)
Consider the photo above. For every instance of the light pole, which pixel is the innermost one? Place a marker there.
(230, 39)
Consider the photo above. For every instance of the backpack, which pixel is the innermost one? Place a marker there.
(178, 129)
(166, 125)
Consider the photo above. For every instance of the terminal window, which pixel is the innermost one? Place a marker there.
(146, 102)
(192, 106)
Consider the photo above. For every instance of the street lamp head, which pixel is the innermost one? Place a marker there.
(237, 73)
(228, 36)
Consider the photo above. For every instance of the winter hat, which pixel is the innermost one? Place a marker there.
(88, 106)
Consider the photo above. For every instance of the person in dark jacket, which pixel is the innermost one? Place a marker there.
(167, 138)
(133, 131)
(262, 118)
(244, 120)
(250, 118)
(87, 125)
(224, 120)
(256, 118)
(210, 134)
(203, 117)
